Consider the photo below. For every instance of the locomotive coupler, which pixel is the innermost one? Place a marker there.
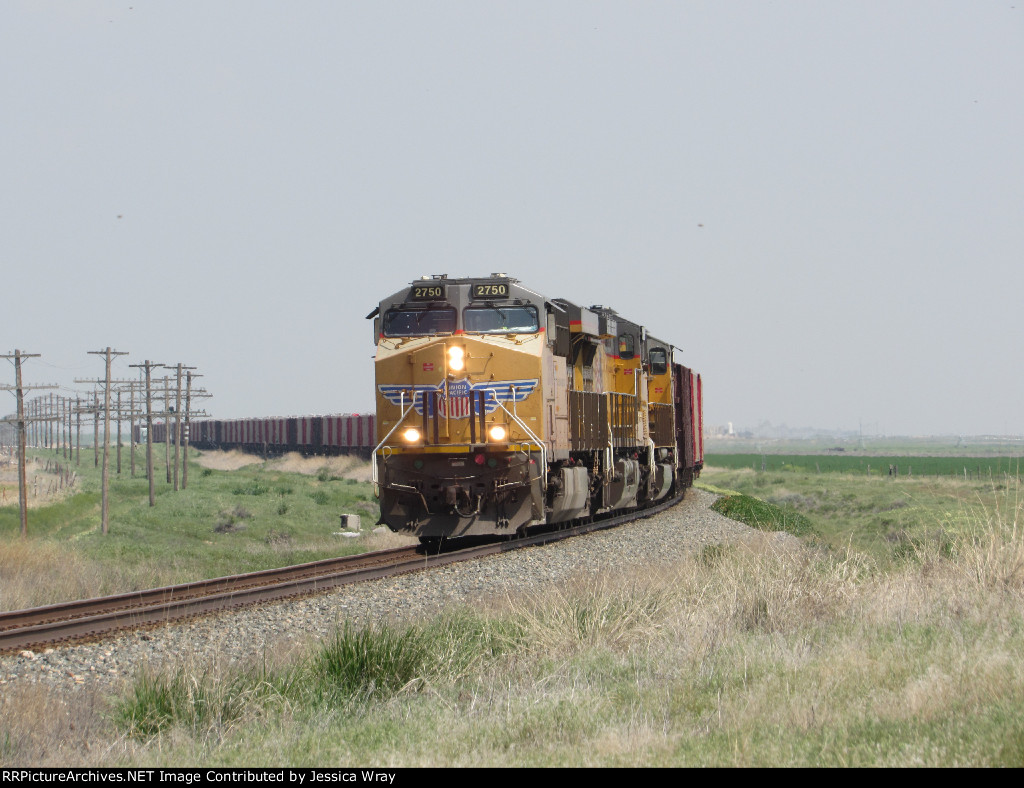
(458, 499)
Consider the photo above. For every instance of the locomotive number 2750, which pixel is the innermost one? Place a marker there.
(490, 291)
(428, 293)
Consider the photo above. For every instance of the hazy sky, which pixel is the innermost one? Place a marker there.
(820, 202)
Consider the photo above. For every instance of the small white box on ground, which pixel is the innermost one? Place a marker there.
(350, 521)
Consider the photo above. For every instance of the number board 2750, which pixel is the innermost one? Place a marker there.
(490, 290)
(427, 293)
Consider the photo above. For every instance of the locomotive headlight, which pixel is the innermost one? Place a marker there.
(456, 358)
(411, 435)
(497, 433)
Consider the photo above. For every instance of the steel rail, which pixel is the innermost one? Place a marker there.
(95, 618)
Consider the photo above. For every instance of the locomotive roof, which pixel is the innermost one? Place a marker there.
(440, 288)
(458, 290)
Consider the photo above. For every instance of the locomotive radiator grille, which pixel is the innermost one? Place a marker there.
(662, 425)
(588, 419)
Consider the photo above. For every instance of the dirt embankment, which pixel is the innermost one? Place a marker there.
(47, 479)
(343, 467)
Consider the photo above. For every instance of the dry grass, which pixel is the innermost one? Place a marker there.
(40, 727)
(342, 467)
(763, 652)
(38, 573)
(47, 480)
(987, 546)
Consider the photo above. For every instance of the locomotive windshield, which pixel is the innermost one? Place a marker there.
(419, 322)
(492, 319)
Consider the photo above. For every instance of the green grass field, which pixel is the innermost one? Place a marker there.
(226, 521)
(967, 467)
(885, 517)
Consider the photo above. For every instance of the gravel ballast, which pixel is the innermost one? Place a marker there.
(283, 626)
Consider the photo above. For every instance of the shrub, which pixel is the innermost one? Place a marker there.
(196, 702)
(371, 662)
(763, 515)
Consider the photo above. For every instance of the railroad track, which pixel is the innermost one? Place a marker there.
(90, 619)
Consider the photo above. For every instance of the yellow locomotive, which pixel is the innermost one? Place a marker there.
(499, 409)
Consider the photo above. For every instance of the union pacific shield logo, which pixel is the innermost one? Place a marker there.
(458, 399)
(457, 404)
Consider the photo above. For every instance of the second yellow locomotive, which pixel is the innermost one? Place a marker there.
(499, 409)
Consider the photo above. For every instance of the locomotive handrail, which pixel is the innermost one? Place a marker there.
(529, 432)
(373, 454)
(651, 463)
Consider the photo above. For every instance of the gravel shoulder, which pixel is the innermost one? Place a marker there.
(278, 630)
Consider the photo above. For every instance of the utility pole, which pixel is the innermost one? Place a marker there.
(119, 432)
(61, 445)
(167, 428)
(148, 366)
(65, 425)
(178, 424)
(131, 414)
(70, 413)
(105, 505)
(19, 390)
(131, 428)
(189, 394)
(22, 501)
(120, 387)
(129, 387)
(95, 428)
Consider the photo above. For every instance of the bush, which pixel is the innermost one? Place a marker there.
(198, 703)
(372, 662)
(763, 515)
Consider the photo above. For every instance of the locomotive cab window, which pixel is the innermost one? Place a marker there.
(627, 348)
(491, 319)
(419, 322)
(658, 358)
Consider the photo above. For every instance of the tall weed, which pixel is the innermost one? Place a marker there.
(988, 542)
(202, 702)
(598, 609)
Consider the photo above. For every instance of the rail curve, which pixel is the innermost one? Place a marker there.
(90, 619)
